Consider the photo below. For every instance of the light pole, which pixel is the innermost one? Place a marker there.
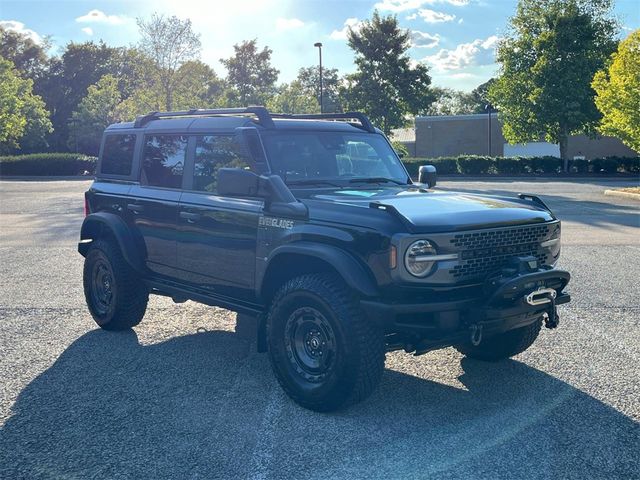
(319, 45)
(489, 107)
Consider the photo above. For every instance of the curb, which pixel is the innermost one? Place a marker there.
(617, 193)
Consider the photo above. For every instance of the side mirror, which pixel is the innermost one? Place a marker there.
(236, 182)
(427, 175)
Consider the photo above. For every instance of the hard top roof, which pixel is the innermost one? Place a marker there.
(194, 121)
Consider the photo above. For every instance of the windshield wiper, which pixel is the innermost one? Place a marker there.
(313, 181)
(376, 180)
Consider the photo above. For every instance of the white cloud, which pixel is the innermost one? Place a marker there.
(478, 52)
(87, 30)
(413, 16)
(404, 5)
(98, 16)
(288, 23)
(19, 27)
(462, 75)
(431, 16)
(424, 40)
(355, 25)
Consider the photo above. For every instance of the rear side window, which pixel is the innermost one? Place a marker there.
(117, 154)
(163, 160)
(214, 152)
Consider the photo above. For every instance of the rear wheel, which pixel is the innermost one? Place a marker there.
(324, 353)
(503, 345)
(115, 294)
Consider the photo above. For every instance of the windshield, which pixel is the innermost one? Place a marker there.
(313, 157)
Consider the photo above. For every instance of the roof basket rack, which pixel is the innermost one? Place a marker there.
(365, 123)
(261, 112)
(265, 118)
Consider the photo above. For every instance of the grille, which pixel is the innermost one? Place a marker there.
(484, 252)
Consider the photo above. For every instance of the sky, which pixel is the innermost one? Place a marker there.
(455, 38)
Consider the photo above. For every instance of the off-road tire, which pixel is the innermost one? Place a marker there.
(359, 353)
(129, 298)
(503, 345)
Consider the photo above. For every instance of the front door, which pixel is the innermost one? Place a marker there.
(217, 235)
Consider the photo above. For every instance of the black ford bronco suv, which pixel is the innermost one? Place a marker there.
(311, 225)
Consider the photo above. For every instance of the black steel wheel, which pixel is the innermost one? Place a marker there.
(116, 296)
(324, 353)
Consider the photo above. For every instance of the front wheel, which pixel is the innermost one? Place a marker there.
(324, 353)
(503, 345)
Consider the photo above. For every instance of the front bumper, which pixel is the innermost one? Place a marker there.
(427, 326)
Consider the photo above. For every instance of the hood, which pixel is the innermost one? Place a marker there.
(438, 211)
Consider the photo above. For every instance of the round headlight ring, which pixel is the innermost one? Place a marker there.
(416, 258)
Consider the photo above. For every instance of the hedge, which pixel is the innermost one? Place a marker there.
(483, 165)
(53, 164)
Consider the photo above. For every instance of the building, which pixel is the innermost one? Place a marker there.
(453, 135)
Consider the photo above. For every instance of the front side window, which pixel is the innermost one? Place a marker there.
(163, 160)
(336, 156)
(214, 152)
(117, 154)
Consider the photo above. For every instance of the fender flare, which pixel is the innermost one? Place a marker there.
(352, 272)
(95, 225)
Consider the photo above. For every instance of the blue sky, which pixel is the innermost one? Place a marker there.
(456, 38)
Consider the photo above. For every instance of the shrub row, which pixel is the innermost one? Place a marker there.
(478, 165)
(47, 164)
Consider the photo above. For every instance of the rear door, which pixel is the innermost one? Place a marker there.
(218, 235)
(153, 204)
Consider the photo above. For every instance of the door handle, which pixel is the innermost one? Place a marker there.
(135, 208)
(190, 217)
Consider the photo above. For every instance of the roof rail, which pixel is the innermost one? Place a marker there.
(361, 117)
(264, 117)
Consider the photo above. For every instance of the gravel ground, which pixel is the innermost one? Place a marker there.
(183, 396)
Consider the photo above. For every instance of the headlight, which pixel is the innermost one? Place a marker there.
(418, 259)
(553, 243)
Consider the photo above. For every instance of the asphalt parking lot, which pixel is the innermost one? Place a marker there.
(183, 396)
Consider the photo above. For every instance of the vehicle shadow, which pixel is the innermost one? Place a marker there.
(205, 406)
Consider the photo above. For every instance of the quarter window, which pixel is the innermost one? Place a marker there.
(214, 152)
(163, 160)
(117, 154)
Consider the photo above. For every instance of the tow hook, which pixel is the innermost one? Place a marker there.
(543, 296)
(476, 334)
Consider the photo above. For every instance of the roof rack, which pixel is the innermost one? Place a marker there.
(264, 117)
(361, 117)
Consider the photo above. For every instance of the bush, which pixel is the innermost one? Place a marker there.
(444, 165)
(476, 165)
(546, 165)
(630, 164)
(579, 166)
(510, 165)
(400, 149)
(604, 165)
(50, 164)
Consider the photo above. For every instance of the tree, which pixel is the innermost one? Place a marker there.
(24, 121)
(618, 93)
(250, 74)
(309, 79)
(480, 97)
(450, 102)
(169, 42)
(547, 61)
(100, 108)
(28, 57)
(387, 85)
(69, 76)
(293, 98)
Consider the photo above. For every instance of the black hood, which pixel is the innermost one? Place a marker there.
(438, 211)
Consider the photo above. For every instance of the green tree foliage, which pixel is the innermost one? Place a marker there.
(547, 61)
(169, 42)
(387, 85)
(24, 121)
(618, 93)
(480, 97)
(309, 79)
(28, 57)
(69, 76)
(250, 76)
(293, 98)
(450, 102)
(100, 108)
